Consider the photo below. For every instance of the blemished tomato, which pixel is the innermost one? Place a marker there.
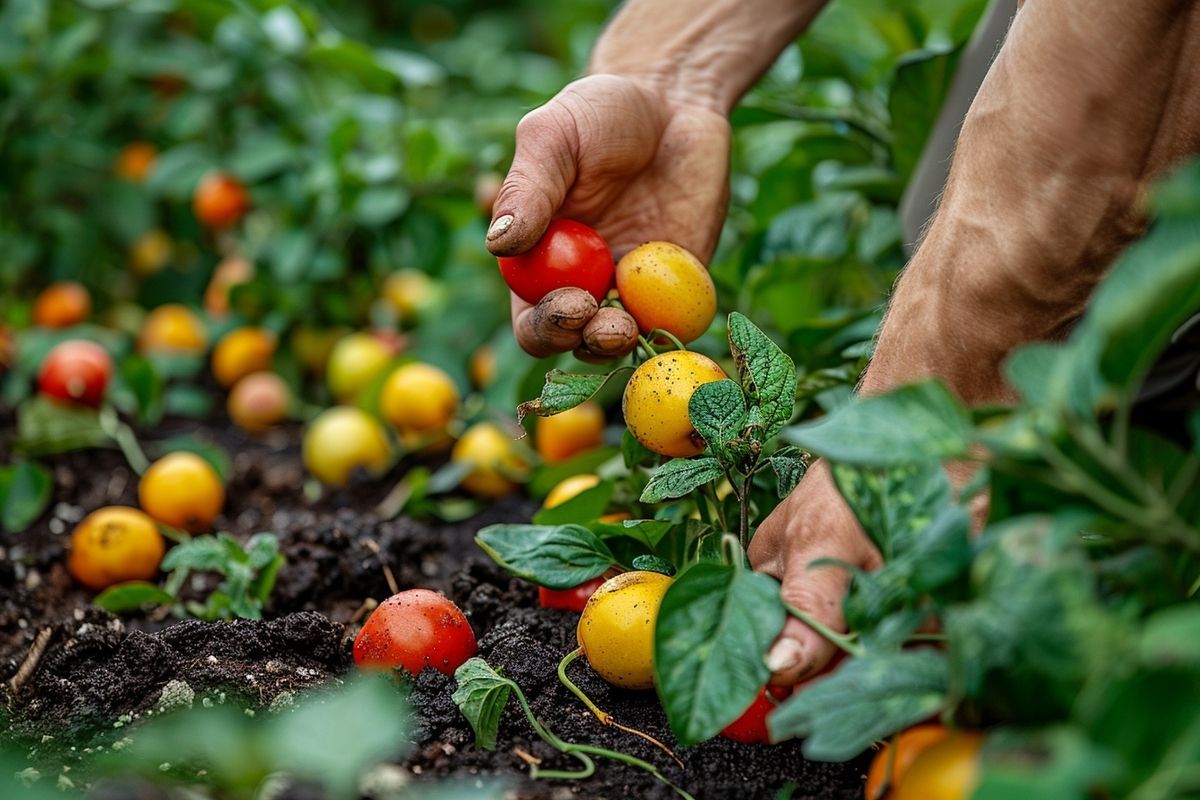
(494, 457)
(220, 200)
(61, 305)
(616, 628)
(568, 254)
(259, 401)
(77, 371)
(240, 352)
(946, 770)
(341, 440)
(664, 286)
(656, 399)
(573, 599)
(751, 726)
(172, 329)
(355, 361)
(568, 488)
(115, 544)
(136, 160)
(574, 431)
(182, 490)
(418, 397)
(412, 630)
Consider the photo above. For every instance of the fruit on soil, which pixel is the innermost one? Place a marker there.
(573, 599)
(150, 253)
(115, 544)
(341, 440)
(569, 488)
(568, 254)
(655, 403)
(135, 162)
(259, 402)
(220, 200)
(418, 398)
(574, 431)
(61, 305)
(172, 329)
(946, 770)
(76, 371)
(664, 286)
(751, 726)
(494, 458)
(182, 490)
(888, 770)
(616, 628)
(232, 271)
(241, 352)
(355, 361)
(412, 630)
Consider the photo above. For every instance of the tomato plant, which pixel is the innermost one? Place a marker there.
(568, 254)
(412, 630)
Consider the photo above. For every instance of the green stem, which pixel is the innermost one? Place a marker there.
(670, 337)
(645, 345)
(601, 715)
(744, 515)
(123, 435)
(844, 641)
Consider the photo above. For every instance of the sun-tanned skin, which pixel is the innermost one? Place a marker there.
(1086, 103)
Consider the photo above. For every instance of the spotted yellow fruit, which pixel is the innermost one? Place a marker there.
(616, 628)
(664, 286)
(656, 399)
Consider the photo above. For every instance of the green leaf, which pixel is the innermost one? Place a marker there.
(767, 373)
(718, 413)
(651, 563)
(554, 556)
(894, 504)
(205, 553)
(25, 490)
(146, 387)
(789, 465)
(379, 205)
(1056, 763)
(714, 627)
(679, 476)
(565, 390)
(918, 90)
(1172, 636)
(866, 699)
(45, 427)
(918, 423)
(634, 452)
(583, 507)
(647, 531)
(481, 696)
(131, 596)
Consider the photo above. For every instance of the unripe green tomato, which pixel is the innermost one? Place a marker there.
(341, 440)
(656, 400)
(616, 628)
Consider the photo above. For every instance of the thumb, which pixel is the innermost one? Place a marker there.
(800, 652)
(542, 171)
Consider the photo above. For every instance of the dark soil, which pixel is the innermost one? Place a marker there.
(98, 669)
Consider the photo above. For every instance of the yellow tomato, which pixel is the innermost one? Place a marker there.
(948, 770)
(418, 397)
(151, 252)
(569, 488)
(344, 439)
(887, 769)
(172, 329)
(616, 628)
(355, 361)
(494, 458)
(115, 544)
(182, 490)
(664, 286)
(570, 433)
(656, 399)
(240, 352)
(409, 291)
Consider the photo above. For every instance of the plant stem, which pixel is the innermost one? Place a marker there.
(844, 641)
(670, 337)
(123, 435)
(645, 345)
(744, 508)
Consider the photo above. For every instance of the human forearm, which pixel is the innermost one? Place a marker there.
(707, 52)
(1084, 105)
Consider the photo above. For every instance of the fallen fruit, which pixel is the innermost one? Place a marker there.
(907, 746)
(574, 599)
(136, 160)
(241, 352)
(418, 398)
(355, 361)
(182, 490)
(567, 434)
(150, 253)
(61, 305)
(664, 286)
(616, 628)
(493, 457)
(568, 488)
(412, 630)
(751, 726)
(76, 371)
(220, 200)
(568, 254)
(947, 770)
(259, 402)
(341, 440)
(232, 271)
(172, 329)
(655, 403)
(115, 544)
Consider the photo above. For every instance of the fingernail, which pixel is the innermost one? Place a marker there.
(499, 226)
(785, 655)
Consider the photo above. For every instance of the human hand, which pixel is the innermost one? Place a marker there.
(635, 162)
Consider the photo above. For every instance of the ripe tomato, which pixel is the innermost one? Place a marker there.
(341, 440)
(948, 770)
(751, 726)
(77, 371)
(182, 490)
(656, 400)
(220, 200)
(907, 745)
(61, 305)
(415, 629)
(569, 488)
(418, 397)
(115, 544)
(136, 160)
(259, 401)
(664, 286)
(568, 254)
(241, 352)
(173, 329)
(494, 458)
(616, 628)
(570, 433)
(573, 599)
(354, 362)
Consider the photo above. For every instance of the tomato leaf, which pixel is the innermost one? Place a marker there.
(768, 374)
(585, 506)
(25, 490)
(714, 627)
(45, 427)
(634, 452)
(565, 390)
(554, 556)
(679, 476)
(131, 596)
(918, 90)
(866, 699)
(790, 465)
(894, 504)
(481, 696)
(918, 423)
(718, 413)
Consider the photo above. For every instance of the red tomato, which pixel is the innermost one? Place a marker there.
(568, 254)
(568, 599)
(751, 726)
(220, 200)
(415, 629)
(76, 371)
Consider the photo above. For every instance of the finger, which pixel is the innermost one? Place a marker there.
(556, 323)
(612, 333)
(800, 652)
(542, 171)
